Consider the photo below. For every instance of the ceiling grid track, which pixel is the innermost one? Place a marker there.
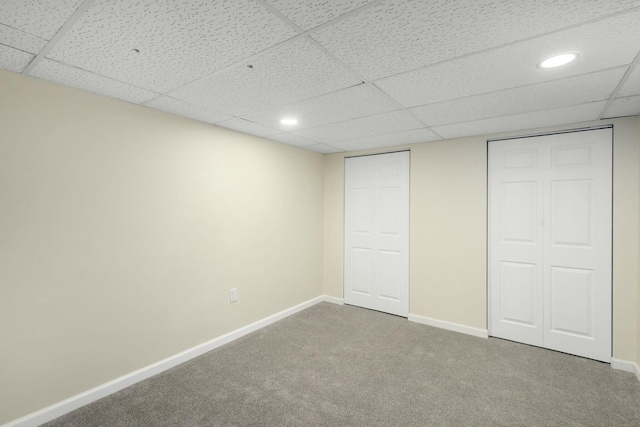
(84, 6)
(512, 43)
(623, 80)
(346, 74)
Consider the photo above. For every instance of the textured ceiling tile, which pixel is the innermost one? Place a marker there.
(515, 65)
(18, 39)
(395, 121)
(42, 18)
(185, 109)
(538, 119)
(294, 71)
(621, 107)
(324, 149)
(350, 103)
(248, 127)
(397, 36)
(13, 59)
(291, 139)
(632, 85)
(85, 80)
(179, 41)
(548, 95)
(308, 14)
(389, 140)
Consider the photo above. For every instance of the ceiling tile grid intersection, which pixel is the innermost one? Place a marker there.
(632, 85)
(13, 59)
(397, 36)
(350, 103)
(41, 18)
(368, 74)
(515, 65)
(308, 14)
(387, 123)
(624, 106)
(524, 121)
(162, 45)
(293, 72)
(548, 95)
(18, 39)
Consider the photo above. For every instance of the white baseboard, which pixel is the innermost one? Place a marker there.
(58, 409)
(443, 324)
(333, 300)
(625, 365)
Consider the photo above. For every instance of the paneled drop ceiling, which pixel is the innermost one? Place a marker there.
(356, 74)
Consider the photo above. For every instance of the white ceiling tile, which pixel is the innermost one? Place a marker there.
(391, 122)
(85, 80)
(308, 14)
(292, 139)
(324, 149)
(538, 119)
(248, 127)
(377, 141)
(185, 109)
(554, 94)
(42, 18)
(18, 39)
(397, 36)
(350, 103)
(294, 71)
(626, 106)
(179, 41)
(515, 65)
(13, 59)
(632, 85)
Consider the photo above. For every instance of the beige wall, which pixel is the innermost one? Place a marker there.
(626, 255)
(448, 231)
(122, 230)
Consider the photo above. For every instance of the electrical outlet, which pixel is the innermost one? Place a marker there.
(233, 295)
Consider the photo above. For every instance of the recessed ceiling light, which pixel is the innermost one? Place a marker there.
(289, 121)
(558, 60)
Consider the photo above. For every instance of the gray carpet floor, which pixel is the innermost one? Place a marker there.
(346, 366)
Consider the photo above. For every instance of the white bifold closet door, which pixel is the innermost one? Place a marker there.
(550, 203)
(376, 235)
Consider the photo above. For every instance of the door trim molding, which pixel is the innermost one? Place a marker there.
(450, 326)
(555, 132)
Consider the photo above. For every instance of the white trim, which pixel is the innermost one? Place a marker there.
(58, 409)
(625, 365)
(333, 300)
(450, 326)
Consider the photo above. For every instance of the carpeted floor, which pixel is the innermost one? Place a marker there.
(347, 366)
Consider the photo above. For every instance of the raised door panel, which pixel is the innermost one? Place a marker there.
(571, 213)
(518, 293)
(519, 216)
(571, 302)
(390, 274)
